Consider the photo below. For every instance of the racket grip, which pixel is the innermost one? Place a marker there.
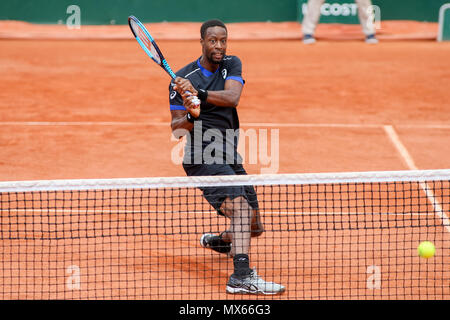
(195, 100)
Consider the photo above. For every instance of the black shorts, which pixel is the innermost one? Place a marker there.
(216, 195)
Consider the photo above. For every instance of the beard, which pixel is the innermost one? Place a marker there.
(213, 60)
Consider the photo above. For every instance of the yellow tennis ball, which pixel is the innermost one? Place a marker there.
(426, 249)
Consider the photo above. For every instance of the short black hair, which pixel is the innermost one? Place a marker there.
(209, 24)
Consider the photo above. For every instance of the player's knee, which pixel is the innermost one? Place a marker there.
(227, 208)
(236, 207)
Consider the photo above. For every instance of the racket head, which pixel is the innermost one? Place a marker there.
(148, 44)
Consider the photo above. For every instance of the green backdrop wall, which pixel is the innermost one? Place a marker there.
(117, 11)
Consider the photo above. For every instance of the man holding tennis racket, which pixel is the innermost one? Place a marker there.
(216, 80)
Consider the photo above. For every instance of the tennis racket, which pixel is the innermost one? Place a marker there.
(148, 44)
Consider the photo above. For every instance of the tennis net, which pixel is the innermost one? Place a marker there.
(327, 236)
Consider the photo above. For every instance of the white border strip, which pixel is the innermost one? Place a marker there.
(441, 20)
(209, 181)
(198, 214)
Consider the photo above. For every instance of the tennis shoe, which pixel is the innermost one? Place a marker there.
(308, 39)
(371, 39)
(214, 242)
(253, 284)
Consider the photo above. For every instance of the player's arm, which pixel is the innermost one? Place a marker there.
(229, 97)
(181, 122)
(234, 83)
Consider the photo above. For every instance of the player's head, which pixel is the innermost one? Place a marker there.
(214, 35)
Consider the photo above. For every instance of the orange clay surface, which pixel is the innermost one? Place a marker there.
(99, 109)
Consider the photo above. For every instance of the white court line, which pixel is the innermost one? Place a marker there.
(244, 124)
(344, 125)
(406, 156)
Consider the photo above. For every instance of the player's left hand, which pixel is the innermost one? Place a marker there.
(184, 87)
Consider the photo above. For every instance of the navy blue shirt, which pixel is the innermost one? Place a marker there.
(217, 127)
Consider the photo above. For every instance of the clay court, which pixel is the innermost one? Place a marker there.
(84, 109)
(98, 108)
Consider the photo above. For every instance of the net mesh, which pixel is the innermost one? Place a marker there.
(327, 236)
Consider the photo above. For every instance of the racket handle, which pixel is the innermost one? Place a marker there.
(195, 100)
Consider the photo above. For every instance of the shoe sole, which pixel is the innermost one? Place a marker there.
(234, 290)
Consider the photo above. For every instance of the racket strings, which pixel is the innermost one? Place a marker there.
(142, 36)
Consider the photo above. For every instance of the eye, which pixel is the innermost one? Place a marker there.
(212, 41)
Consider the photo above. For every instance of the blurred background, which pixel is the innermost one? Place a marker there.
(112, 11)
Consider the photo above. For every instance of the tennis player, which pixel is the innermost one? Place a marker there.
(216, 79)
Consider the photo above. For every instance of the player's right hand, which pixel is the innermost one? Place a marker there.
(184, 87)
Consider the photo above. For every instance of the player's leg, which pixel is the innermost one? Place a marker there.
(219, 243)
(311, 19)
(244, 279)
(239, 211)
(366, 18)
(239, 232)
(257, 227)
(215, 196)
